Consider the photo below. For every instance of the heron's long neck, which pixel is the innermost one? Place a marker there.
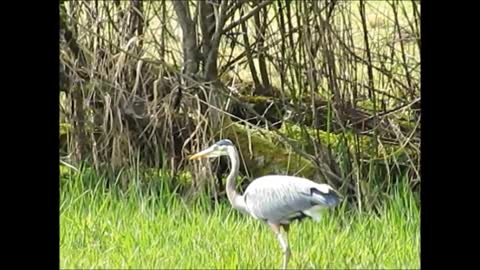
(233, 196)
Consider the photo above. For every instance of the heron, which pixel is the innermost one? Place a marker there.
(277, 200)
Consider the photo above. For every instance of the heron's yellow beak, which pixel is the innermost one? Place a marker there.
(201, 154)
(196, 156)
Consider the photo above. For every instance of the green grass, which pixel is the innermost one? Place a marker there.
(137, 229)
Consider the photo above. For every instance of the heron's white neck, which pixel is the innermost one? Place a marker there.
(233, 196)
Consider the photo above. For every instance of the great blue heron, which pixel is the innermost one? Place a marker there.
(274, 199)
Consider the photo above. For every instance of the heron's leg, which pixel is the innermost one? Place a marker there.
(286, 228)
(283, 244)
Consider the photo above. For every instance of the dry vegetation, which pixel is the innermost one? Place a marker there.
(143, 84)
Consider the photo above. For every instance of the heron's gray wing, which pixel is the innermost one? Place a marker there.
(279, 197)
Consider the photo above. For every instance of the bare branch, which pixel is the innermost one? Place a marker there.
(190, 53)
(246, 17)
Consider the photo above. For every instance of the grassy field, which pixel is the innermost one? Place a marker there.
(148, 228)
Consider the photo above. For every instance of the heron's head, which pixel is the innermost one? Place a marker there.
(218, 149)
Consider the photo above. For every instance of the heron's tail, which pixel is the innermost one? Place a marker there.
(329, 199)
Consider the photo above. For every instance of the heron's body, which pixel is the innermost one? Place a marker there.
(282, 198)
(274, 199)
